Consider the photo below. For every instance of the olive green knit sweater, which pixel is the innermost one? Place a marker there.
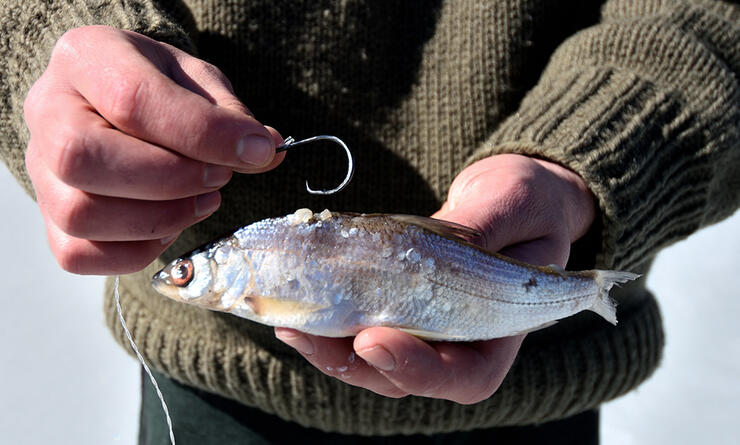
(638, 97)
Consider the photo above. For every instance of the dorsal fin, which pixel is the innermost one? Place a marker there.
(443, 228)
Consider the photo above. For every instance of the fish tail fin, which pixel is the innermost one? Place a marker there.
(604, 305)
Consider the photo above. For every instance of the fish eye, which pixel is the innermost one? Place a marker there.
(182, 272)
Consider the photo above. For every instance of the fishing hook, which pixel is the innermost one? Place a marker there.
(290, 143)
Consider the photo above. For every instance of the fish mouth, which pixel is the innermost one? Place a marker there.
(162, 283)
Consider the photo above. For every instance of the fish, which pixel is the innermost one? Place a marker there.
(334, 274)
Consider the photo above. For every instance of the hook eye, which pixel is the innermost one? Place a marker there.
(290, 143)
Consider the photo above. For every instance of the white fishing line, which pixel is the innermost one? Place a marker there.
(143, 363)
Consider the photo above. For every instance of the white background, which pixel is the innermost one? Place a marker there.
(64, 380)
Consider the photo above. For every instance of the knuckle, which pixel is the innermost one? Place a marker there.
(124, 100)
(74, 218)
(33, 100)
(74, 42)
(207, 70)
(475, 393)
(31, 159)
(70, 260)
(483, 387)
(201, 132)
(68, 252)
(233, 103)
(71, 156)
(67, 46)
(525, 200)
(425, 387)
(203, 129)
(208, 73)
(518, 197)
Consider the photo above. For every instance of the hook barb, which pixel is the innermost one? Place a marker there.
(289, 142)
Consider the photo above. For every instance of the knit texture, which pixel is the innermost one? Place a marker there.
(638, 97)
(644, 105)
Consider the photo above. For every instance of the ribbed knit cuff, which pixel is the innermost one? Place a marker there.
(28, 32)
(656, 148)
(602, 125)
(553, 377)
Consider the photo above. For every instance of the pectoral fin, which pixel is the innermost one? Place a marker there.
(268, 306)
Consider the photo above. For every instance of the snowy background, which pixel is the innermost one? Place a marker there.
(64, 380)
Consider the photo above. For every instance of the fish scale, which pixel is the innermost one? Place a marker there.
(334, 274)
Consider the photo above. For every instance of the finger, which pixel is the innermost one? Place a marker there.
(86, 257)
(102, 218)
(83, 151)
(136, 97)
(278, 140)
(336, 357)
(461, 372)
(494, 357)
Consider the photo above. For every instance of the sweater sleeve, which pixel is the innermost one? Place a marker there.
(645, 107)
(28, 32)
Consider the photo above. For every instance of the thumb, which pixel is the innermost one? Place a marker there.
(497, 235)
(208, 81)
(191, 73)
(512, 201)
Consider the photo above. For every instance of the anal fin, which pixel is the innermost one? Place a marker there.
(432, 336)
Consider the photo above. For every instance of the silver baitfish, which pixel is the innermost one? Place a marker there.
(334, 274)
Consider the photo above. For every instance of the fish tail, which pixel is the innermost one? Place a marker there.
(604, 305)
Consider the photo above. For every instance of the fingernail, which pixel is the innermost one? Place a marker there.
(378, 357)
(207, 203)
(297, 341)
(256, 150)
(168, 239)
(215, 175)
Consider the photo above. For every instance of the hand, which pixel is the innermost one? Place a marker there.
(130, 141)
(526, 208)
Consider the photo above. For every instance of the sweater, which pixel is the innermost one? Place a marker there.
(640, 98)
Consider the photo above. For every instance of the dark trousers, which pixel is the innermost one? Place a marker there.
(204, 419)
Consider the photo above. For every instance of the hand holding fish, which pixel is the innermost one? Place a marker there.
(130, 140)
(526, 208)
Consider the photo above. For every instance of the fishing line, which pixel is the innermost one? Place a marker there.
(289, 143)
(143, 363)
